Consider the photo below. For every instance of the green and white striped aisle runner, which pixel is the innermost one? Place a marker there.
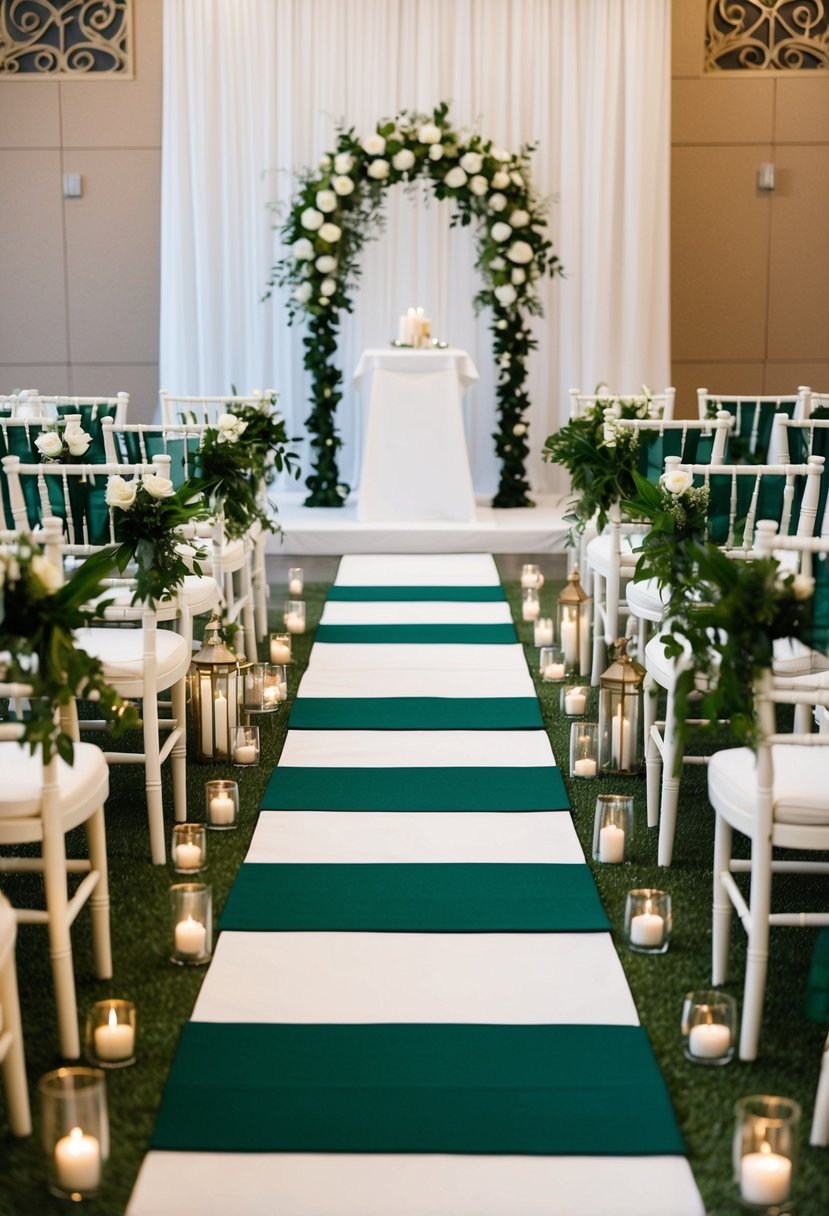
(415, 1005)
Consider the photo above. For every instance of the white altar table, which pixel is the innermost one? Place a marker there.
(415, 463)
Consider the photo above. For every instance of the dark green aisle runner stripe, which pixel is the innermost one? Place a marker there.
(485, 897)
(552, 1090)
(415, 789)
(420, 635)
(416, 713)
(446, 595)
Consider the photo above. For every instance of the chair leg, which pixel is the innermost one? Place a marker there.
(721, 918)
(757, 955)
(598, 631)
(60, 943)
(260, 587)
(669, 795)
(653, 760)
(178, 756)
(14, 1064)
(99, 899)
(248, 617)
(152, 780)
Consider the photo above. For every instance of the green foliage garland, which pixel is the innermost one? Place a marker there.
(677, 513)
(338, 207)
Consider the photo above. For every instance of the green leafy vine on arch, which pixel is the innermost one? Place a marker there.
(338, 207)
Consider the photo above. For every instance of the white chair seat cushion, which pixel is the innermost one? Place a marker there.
(801, 776)
(599, 553)
(234, 554)
(21, 790)
(792, 661)
(647, 600)
(200, 594)
(121, 651)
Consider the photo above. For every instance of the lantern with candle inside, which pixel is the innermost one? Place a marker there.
(280, 648)
(765, 1152)
(573, 614)
(214, 694)
(530, 605)
(221, 805)
(246, 745)
(74, 1130)
(709, 1027)
(531, 578)
(648, 920)
(620, 714)
(191, 906)
(551, 664)
(574, 700)
(188, 850)
(543, 631)
(294, 616)
(110, 1034)
(612, 828)
(296, 582)
(584, 749)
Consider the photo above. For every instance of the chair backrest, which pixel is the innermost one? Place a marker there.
(755, 417)
(143, 442)
(814, 561)
(810, 401)
(661, 404)
(206, 410)
(691, 440)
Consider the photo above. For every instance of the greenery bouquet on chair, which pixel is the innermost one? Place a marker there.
(677, 514)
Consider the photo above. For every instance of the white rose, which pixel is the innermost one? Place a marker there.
(505, 359)
(158, 487)
(478, 185)
(500, 232)
(609, 435)
(516, 178)
(374, 144)
(519, 219)
(326, 200)
(343, 186)
(519, 429)
(303, 249)
(455, 178)
(343, 162)
(302, 294)
(497, 202)
(500, 180)
(324, 301)
(520, 252)
(328, 287)
(436, 151)
(500, 155)
(227, 422)
(120, 493)
(49, 444)
(311, 219)
(500, 324)
(326, 264)
(378, 169)
(472, 162)
(497, 264)
(403, 160)
(331, 233)
(518, 276)
(428, 134)
(803, 587)
(677, 482)
(506, 295)
(47, 574)
(77, 442)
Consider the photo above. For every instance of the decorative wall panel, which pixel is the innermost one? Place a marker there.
(66, 38)
(777, 35)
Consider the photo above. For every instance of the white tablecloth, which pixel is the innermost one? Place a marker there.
(415, 463)
(417, 570)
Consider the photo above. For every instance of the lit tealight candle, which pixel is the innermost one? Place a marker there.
(295, 586)
(530, 610)
(191, 936)
(78, 1162)
(245, 753)
(115, 1040)
(280, 651)
(765, 1177)
(575, 702)
(647, 929)
(709, 1040)
(584, 768)
(554, 671)
(188, 855)
(272, 695)
(612, 844)
(222, 808)
(294, 622)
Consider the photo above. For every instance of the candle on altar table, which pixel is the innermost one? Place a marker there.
(115, 1040)
(191, 936)
(647, 929)
(188, 855)
(621, 741)
(78, 1161)
(612, 844)
(245, 753)
(280, 651)
(575, 702)
(765, 1177)
(709, 1040)
(584, 768)
(569, 644)
(222, 809)
(294, 622)
(554, 671)
(543, 632)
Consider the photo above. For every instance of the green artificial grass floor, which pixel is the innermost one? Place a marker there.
(164, 994)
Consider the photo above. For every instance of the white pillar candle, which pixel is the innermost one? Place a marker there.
(280, 651)
(709, 1040)
(294, 622)
(78, 1161)
(611, 844)
(569, 643)
(221, 809)
(115, 1040)
(188, 856)
(621, 741)
(575, 702)
(245, 753)
(543, 632)
(765, 1177)
(554, 671)
(647, 929)
(221, 719)
(584, 768)
(191, 936)
(206, 705)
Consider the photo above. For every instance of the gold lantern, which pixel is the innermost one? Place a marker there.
(573, 614)
(620, 714)
(214, 694)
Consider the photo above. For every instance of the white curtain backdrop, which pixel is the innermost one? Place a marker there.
(255, 89)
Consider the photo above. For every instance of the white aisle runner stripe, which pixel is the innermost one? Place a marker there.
(417, 749)
(433, 682)
(417, 570)
(446, 656)
(426, 612)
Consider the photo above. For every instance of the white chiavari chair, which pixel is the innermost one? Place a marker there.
(754, 415)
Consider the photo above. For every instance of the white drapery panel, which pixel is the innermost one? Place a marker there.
(255, 89)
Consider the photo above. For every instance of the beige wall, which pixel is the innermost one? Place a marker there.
(749, 269)
(80, 284)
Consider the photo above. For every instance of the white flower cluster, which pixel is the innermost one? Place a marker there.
(122, 493)
(230, 428)
(45, 577)
(73, 442)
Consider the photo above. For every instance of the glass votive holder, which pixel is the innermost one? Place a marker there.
(648, 920)
(531, 578)
(188, 849)
(765, 1152)
(274, 686)
(221, 805)
(584, 749)
(74, 1130)
(530, 605)
(192, 918)
(612, 828)
(110, 1034)
(244, 744)
(543, 631)
(551, 663)
(709, 1027)
(280, 647)
(574, 700)
(296, 581)
(294, 616)
(251, 688)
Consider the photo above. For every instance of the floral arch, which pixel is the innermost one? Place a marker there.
(337, 208)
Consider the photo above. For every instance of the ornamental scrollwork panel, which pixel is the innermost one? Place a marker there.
(66, 38)
(778, 35)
